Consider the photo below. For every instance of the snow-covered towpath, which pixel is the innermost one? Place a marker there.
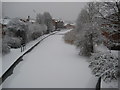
(52, 64)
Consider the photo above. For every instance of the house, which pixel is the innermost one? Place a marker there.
(69, 26)
(28, 20)
(58, 24)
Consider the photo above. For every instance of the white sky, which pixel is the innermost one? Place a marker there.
(61, 10)
(64, 9)
(48, 0)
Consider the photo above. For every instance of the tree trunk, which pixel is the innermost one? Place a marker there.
(91, 44)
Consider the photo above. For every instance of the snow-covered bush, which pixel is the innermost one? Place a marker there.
(84, 41)
(104, 65)
(16, 24)
(35, 35)
(9, 31)
(13, 42)
(35, 30)
(113, 45)
(5, 48)
(70, 37)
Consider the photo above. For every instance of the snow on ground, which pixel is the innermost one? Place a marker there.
(113, 84)
(103, 48)
(8, 59)
(63, 31)
(52, 64)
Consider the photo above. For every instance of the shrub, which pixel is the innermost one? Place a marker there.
(14, 42)
(113, 45)
(105, 65)
(5, 48)
(35, 31)
(84, 41)
(35, 35)
(70, 37)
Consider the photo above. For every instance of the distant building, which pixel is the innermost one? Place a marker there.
(58, 24)
(69, 26)
(28, 20)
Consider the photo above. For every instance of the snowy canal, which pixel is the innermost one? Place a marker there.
(52, 64)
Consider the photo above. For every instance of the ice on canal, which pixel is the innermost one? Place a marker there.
(52, 64)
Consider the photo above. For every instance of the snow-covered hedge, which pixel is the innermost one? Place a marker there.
(105, 65)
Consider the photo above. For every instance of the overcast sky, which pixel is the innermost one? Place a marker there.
(64, 10)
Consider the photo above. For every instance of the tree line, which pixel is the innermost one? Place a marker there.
(18, 32)
(98, 23)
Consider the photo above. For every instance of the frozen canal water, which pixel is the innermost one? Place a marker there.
(52, 64)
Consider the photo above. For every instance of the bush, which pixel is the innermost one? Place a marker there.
(35, 31)
(35, 35)
(5, 48)
(105, 65)
(70, 37)
(84, 41)
(14, 42)
(113, 45)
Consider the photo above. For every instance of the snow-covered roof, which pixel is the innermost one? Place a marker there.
(56, 20)
(69, 23)
(73, 24)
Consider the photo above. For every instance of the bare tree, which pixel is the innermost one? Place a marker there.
(110, 13)
(40, 18)
(107, 9)
(48, 21)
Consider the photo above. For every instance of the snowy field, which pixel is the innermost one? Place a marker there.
(52, 64)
